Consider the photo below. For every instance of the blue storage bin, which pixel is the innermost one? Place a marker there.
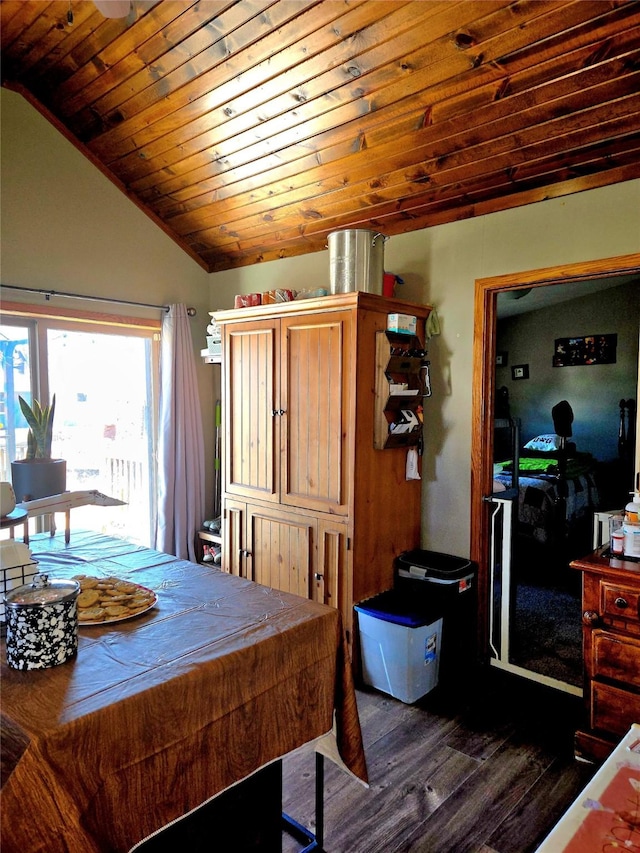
(399, 646)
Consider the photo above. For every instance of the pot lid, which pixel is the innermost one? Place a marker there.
(42, 591)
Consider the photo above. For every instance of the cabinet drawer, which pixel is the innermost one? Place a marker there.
(612, 709)
(620, 602)
(616, 657)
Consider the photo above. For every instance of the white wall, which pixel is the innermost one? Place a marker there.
(66, 227)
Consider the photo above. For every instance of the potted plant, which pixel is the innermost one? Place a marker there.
(38, 475)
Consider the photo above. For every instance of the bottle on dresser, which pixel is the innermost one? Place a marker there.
(631, 527)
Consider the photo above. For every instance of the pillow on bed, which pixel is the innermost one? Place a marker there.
(547, 442)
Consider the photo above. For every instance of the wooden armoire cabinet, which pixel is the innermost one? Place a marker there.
(309, 505)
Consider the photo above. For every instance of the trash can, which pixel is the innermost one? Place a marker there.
(445, 585)
(399, 646)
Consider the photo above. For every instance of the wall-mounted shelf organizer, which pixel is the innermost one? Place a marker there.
(401, 385)
(213, 353)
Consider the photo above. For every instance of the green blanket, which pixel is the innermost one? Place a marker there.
(576, 466)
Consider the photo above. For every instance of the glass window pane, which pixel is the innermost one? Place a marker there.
(103, 426)
(15, 370)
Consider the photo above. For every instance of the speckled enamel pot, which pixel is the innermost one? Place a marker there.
(42, 623)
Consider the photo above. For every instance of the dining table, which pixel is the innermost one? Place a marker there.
(161, 712)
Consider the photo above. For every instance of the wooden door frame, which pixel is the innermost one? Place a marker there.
(483, 394)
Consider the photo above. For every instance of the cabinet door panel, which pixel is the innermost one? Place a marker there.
(315, 394)
(233, 537)
(251, 390)
(332, 579)
(280, 546)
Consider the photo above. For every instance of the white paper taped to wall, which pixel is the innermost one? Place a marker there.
(412, 464)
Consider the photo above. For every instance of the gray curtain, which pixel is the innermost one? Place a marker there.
(181, 442)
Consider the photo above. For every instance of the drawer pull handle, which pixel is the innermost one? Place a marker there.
(590, 617)
(621, 602)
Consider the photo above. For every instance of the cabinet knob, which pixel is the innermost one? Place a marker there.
(244, 553)
(590, 617)
(318, 576)
(621, 602)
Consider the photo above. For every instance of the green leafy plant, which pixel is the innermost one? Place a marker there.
(40, 435)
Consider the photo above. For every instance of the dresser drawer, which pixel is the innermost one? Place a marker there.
(620, 602)
(616, 657)
(613, 709)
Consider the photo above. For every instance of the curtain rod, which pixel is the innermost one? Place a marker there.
(49, 293)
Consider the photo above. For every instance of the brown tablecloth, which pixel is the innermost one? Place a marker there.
(158, 714)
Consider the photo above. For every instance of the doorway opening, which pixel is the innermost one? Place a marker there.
(530, 598)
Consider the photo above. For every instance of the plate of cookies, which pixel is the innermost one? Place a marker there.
(111, 599)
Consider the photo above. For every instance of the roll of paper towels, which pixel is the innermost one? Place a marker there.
(14, 554)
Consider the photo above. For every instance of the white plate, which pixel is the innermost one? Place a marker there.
(110, 620)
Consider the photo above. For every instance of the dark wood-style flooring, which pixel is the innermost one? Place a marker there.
(485, 768)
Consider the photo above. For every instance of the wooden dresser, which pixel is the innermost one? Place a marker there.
(611, 642)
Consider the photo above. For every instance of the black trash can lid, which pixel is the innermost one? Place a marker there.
(424, 564)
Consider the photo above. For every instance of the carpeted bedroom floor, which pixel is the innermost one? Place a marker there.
(545, 625)
(546, 632)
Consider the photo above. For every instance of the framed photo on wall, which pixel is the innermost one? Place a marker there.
(589, 349)
(501, 359)
(520, 371)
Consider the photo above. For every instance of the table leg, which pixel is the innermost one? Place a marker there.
(301, 833)
(319, 799)
(67, 525)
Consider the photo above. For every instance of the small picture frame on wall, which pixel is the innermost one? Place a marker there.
(501, 359)
(520, 371)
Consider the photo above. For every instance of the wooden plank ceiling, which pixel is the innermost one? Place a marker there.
(250, 130)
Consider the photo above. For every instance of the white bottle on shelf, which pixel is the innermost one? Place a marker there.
(631, 527)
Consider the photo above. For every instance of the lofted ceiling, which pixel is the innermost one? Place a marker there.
(250, 130)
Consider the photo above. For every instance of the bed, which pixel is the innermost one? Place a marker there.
(556, 488)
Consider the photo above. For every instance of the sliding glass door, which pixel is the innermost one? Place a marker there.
(104, 379)
(16, 345)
